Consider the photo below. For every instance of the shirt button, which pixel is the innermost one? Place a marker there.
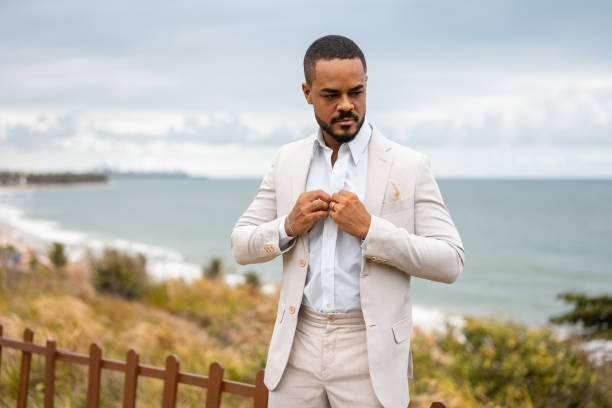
(326, 270)
(302, 262)
(291, 309)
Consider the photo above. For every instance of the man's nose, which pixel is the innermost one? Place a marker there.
(345, 104)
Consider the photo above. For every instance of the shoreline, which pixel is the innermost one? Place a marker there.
(163, 264)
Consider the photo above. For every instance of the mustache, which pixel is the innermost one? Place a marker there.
(345, 115)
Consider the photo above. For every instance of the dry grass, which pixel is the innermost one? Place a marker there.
(64, 306)
(206, 321)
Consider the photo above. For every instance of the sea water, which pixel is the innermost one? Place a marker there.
(526, 240)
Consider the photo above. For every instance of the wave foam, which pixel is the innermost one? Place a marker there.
(162, 263)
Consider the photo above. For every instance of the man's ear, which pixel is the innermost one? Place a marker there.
(307, 94)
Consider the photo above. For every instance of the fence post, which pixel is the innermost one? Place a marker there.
(131, 380)
(261, 391)
(1, 329)
(93, 382)
(24, 372)
(215, 381)
(170, 381)
(50, 372)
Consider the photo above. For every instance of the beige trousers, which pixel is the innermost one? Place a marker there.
(328, 364)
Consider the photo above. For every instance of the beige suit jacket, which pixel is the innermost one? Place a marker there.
(412, 234)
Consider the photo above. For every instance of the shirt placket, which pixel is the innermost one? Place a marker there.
(330, 229)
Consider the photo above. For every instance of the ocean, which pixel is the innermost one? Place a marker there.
(526, 240)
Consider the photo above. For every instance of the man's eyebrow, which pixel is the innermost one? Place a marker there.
(353, 89)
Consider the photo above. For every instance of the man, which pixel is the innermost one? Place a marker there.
(355, 216)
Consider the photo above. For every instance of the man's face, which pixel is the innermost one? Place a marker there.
(338, 95)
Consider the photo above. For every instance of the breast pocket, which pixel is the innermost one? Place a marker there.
(400, 213)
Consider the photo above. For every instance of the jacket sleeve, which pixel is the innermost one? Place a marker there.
(434, 251)
(255, 237)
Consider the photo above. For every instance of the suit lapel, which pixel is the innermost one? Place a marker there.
(301, 165)
(379, 165)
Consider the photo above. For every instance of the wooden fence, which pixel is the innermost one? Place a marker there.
(171, 375)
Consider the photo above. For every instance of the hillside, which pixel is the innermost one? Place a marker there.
(484, 364)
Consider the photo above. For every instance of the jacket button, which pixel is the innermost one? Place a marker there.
(291, 309)
(302, 262)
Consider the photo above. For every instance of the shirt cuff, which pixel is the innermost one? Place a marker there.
(364, 242)
(284, 239)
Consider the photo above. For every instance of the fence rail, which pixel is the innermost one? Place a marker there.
(132, 369)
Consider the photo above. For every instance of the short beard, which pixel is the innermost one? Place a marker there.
(343, 138)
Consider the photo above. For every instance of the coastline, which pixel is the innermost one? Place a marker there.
(31, 236)
(34, 237)
(33, 186)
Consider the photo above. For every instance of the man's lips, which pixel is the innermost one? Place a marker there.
(345, 121)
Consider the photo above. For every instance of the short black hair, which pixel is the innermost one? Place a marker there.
(328, 48)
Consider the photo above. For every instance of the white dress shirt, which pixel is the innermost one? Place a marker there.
(332, 281)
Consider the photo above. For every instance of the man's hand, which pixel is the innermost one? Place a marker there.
(310, 207)
(350, 214)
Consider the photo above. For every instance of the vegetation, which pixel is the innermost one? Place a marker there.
(214, 269)
(495, 363)
(252, 279)
(57, 255)
(593, 313)
(120, 274)
(484, 363)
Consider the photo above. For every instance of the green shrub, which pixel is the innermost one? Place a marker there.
(57, 255)
(214, 268)
(593, 313)
(511, 365)
(120, 274)
(252, 279)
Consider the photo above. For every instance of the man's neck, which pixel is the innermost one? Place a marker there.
(332, 144)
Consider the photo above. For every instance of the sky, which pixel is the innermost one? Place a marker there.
(486, 89)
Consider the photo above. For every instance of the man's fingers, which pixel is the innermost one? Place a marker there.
(320, 194)
(333, 215)
(318, 215)
(337, 197)
(318, 205)
(347, 194)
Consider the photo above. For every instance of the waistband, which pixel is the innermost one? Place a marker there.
(344, 319)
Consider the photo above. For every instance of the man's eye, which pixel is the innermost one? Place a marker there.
(329, 96)
(356, 93)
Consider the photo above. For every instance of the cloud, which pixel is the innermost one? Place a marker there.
(98, 83)
(530, 110)
(242, 57)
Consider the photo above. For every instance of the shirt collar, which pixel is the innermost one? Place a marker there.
(357, 146)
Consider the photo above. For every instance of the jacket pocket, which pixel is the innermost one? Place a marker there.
(399, 213)
(395, 206)
(402, 329)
